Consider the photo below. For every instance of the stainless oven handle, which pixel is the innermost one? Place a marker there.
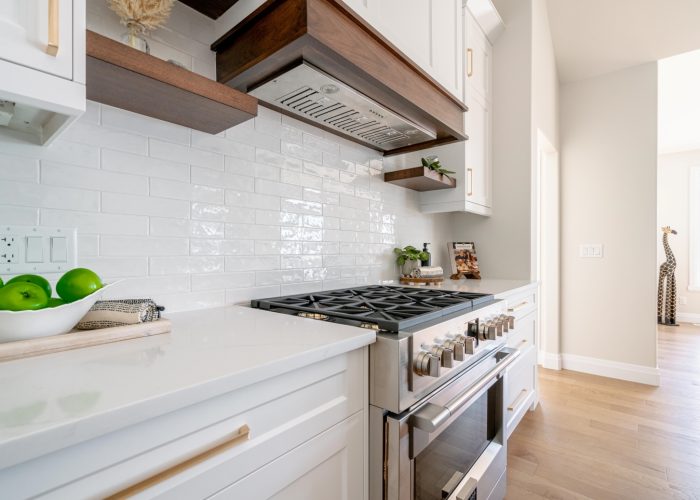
(431, 416)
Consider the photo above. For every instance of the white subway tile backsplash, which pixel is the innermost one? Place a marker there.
(196, 220)
(111, 268)
(221, 247)
(119, 161)
(142, 245)
(185, 265)
(226, 179)
(133, 204)
(219, 281)
(94, 135)
(19, 216)
(60, 174)
(17, 168)
(222, 145)
(126, 120)
(184, 154)
(37, 195)
(96, 223)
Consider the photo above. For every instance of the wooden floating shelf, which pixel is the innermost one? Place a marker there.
(126, 78)
(420, 179)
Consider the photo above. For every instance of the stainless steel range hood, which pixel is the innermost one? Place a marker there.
(318, 61)
(308, 92)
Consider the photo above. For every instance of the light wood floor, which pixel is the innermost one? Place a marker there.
(598, 438)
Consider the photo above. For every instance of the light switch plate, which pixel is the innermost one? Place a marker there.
(32, 249)
(591, 251)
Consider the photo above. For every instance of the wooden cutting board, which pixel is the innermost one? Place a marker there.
(405, 280)
(80, 338)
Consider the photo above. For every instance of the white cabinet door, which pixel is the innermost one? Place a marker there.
(406, 24)
(478, 164)
(446, 44)
(478, 59)
(329, 466)
(25, 27)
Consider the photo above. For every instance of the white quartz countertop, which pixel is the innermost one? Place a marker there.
(491, 286)
(53, 401)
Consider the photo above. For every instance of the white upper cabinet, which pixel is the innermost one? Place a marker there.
(42, 60)
(429, 32)
(470, 160)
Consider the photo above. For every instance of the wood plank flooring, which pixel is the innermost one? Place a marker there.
(598, 438)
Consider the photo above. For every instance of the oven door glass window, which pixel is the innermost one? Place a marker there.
(440, 467)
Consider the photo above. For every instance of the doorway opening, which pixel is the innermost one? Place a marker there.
(547, 208)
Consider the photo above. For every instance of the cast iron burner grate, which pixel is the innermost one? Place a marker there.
(391, 308)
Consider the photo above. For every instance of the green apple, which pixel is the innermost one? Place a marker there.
(78, 283)
(33, 278)
(22, 296)
(54, 302)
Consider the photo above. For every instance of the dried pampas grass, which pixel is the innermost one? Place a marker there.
(149, 14)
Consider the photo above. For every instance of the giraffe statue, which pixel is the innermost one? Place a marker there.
(666, 309)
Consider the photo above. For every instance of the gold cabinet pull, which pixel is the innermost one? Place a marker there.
(243, 434)
(52, 45)
(470, 182)
(524, 303)
(470, 63)
(515, 404)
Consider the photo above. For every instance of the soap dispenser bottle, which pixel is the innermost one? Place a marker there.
(427, 260)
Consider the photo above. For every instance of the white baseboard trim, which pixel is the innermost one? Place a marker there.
(688, 318)
(612, 369)
(549, 360)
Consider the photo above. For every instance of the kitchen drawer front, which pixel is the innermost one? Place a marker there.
(521, 303)
(523, 335)
(329, 466)
(281, 413)
(521, 388)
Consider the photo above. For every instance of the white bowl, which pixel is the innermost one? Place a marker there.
(23, 325)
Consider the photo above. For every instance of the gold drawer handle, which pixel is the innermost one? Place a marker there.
(470, 63)
(243, 434)
(470, 182)
(524, 303)
(52, 46)
(515, 404)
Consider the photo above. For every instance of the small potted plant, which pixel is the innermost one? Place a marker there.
(408, 258)
(432, 162)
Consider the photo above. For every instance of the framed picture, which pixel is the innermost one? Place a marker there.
(463, 259)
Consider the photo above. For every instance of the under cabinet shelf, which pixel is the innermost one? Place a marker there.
(126, 78)
(420, 179)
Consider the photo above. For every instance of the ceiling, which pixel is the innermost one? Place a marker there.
(594, 37)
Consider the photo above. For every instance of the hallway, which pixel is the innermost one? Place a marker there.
(598, 438)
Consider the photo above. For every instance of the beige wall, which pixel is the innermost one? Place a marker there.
(674, 172)
(608, 142)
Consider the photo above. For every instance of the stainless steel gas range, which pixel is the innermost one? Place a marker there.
(436, 386)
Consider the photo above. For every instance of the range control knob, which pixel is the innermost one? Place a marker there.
(444, 353)
(511, 321)
(427, 364)
(489, 330)
(457, 348)
(469, 343)
(473, 330)
(503, 319)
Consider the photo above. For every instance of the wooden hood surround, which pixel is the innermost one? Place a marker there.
(280, 34)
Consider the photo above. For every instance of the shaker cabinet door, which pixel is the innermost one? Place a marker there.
(38, 34)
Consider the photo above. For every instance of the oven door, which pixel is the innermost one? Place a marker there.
(452, 445)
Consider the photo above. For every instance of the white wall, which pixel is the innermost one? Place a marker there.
(272, 206)
(674, 173)
(679, 103)
(609, 168)
(503, 240)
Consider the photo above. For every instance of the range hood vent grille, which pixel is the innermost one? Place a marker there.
(310, 93)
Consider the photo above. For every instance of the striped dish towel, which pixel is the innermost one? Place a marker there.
(111, 313)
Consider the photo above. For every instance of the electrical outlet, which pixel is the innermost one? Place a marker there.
(9, 249)
(37, 249)
(591, 251)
